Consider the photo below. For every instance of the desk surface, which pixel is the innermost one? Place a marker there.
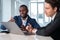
(10, 36)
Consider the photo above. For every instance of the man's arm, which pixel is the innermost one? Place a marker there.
(46, 31)
(49, 28)
(11, 20)
(4, 29)
(35, 24)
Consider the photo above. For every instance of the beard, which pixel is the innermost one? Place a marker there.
(23, 16)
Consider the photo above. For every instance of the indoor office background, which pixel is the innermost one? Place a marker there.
(10, 8)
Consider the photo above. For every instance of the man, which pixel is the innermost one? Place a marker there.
(53, 28)
(24, 19)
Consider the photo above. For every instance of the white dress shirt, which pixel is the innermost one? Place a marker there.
(52, 18)
(24, 21)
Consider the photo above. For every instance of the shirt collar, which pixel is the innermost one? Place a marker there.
(25, 19)
(52, 18)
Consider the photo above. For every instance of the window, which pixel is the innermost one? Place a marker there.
(37, 12)
(34, 10)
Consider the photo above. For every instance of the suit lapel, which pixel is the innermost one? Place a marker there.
(28, 21)
(57, 16)
(20, 21)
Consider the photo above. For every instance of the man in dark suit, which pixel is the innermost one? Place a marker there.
(53, 28)
(23, 19)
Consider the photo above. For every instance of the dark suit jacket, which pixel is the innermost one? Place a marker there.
(52, 29)
(29, 20)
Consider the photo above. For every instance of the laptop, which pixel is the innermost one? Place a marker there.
(13, 28)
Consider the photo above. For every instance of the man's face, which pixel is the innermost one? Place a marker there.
(23, 12)
(49, 11)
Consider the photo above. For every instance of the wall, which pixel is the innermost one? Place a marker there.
(0, 10)
(9, 9)
(6, 7)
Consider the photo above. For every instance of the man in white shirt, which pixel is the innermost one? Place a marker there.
(23, 20)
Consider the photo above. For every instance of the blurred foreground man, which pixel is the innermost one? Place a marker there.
(53, 28)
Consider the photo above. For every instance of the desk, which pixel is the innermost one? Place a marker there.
(10, 36)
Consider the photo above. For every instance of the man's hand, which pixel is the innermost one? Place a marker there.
(29, 28)
(34, 30)
(23, 28)
(11, 20)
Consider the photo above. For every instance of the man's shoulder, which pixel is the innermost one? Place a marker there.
(57, 16)
(16, 16)
(32, 19)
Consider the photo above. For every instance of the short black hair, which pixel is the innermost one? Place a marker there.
(25, 7)
(53, 3)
